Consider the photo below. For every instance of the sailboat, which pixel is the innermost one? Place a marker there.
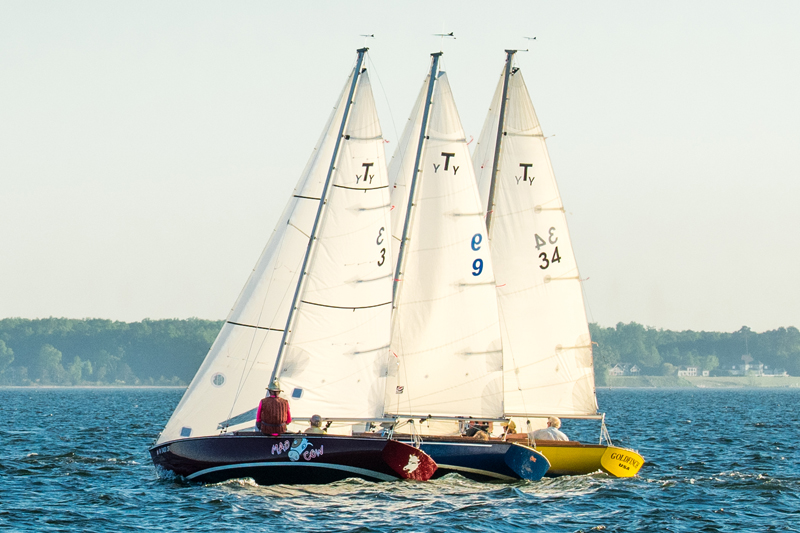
(547, 350)
(446, 366)
(314, 314)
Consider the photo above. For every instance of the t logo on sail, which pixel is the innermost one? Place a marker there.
(447, 156)
(524, 177)
(366, 175)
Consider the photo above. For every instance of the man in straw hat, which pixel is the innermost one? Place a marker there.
(273, 411)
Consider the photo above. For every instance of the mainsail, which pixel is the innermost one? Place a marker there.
(338, 312)
(547, 352)
(447, 357)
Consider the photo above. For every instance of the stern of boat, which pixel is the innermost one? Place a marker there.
(526, 462)
(408, 462)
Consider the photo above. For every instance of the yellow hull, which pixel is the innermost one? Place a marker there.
(575, 459)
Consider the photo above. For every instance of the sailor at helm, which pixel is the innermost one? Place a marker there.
(273, 411)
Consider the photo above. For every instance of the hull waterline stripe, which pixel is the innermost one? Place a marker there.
(250, 326)
(353, 469)
(427, 442)
(338, 307)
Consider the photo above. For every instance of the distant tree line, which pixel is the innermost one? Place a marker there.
(62, 351)
(659, 352)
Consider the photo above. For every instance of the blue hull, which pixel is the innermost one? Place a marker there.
(484, 460)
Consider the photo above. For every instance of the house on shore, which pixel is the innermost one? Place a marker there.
(756, 369)
(692, 371)
(624, 369)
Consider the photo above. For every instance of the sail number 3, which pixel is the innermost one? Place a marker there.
(552, 239)
(379, 241)
(477, 265)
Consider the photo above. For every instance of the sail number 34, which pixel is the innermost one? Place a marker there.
(552, 239)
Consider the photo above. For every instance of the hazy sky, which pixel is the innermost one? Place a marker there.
(148, 148)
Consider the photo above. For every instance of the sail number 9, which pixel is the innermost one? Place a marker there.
(477, 265)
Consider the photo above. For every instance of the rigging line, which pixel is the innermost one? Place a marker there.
(347, 307)
(385, 97)
(506, 347)
(251, 326)
(307, 197)
(245, 370)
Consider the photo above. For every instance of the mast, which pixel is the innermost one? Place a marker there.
(313, 235)
(490, 203)
(412, 190)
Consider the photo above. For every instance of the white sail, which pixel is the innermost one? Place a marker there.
(336, 353)
(401, 168)
(546, 344)
(447, 357)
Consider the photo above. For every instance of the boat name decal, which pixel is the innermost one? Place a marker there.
(312, 454)
(624, 459)
(524, 177)
(280, 447)
(165, 449)
(298, 445)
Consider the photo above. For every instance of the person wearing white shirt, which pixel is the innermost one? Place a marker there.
(551, 432)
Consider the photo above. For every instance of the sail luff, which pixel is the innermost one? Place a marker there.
(498, 144)
(415, 173)
(323, 200)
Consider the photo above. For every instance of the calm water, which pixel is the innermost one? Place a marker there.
(718, 460)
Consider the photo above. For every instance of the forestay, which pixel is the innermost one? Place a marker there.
(546, 344)
(335, 356)
(447, 357)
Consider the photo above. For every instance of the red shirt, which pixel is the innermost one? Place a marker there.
(258, 414)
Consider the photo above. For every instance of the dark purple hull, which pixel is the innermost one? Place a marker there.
(291, 459)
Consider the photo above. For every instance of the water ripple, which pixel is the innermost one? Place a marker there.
(714, 463)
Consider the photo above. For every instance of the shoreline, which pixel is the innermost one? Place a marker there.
(722, 382)
(615, 382)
